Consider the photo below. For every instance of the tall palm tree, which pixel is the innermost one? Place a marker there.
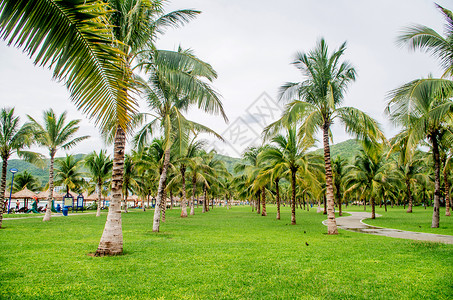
(315, 103)
(171, 91)
(425, 113)
(67, 173)
(339, 172)
(370, 173)
(423, 107)
(13, 139)
(100, 166)
(288, 153)
(137, 24)
(54, 134)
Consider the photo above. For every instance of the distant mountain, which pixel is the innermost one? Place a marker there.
(229, 161)
(41, 173)
(347, 149)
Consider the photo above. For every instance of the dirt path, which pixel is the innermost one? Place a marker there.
(354, 223)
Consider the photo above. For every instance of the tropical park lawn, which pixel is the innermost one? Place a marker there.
(222, 254)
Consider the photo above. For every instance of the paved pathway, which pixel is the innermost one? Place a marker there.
(354, 223)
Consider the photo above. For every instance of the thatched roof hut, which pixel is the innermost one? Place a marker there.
(23, 194)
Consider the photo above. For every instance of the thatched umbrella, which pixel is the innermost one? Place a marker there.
(45, 194)
(24, 194)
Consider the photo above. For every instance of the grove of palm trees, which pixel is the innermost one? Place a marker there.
(158, 212)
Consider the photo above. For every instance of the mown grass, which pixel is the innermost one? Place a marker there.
(419, 220)
(222, 254)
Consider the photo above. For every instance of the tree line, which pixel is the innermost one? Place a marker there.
(98, 47)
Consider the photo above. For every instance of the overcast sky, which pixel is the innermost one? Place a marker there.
(251, 45)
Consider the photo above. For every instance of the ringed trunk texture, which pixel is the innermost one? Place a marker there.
(435, 221)
(373, 208)
(112, 238)
(48, 214)
(98, 209)
(164, 203)
(409, 196)
(331, 223)
(447, 195)
(204, 199)
(293, 197)
(160, 191)
(194, 188)
(318, 210)
(3, 203)
(258, 205)
(184, 197)
(278, 199)
(263, 193)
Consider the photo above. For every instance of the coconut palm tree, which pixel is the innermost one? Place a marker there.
(371, 174)
(339, 172)
(67, 173)
(289, 154)
(316, 104)
(427, 101)
(100, 166)
(13, 139)
(169, 97)
(54, 134)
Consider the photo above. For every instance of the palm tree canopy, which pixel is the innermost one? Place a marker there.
(55, 133)
(68, 172)
(428, 40)
(100, 165)
(75, 39)
(316, 101)
(14, 138)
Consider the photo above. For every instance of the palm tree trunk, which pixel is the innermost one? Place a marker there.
(50, 197)
(318, 210)
(331, 223)
(340, 212)
(447, 194)
(278, 198)
(184, 197)
(373, 209)
(263, 193)
(194, 188)
(258, 206)
(112, 238)
(435, 220)
(204, 199)
(325, 205)
(409, 196)
(293, 197)
(160, 191)
(164, 203)
(98, 209)
(3, 203)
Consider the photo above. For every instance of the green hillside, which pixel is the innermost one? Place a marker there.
(347, 149)
(41, 173)
(229, 161)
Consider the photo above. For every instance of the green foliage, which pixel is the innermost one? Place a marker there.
(41, 173)
(243, 256)
(346, 150)
(230, 162)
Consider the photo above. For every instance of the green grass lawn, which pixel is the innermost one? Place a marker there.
(419, 220)
(222, 254)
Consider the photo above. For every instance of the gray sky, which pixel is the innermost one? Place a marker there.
(251, 45)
